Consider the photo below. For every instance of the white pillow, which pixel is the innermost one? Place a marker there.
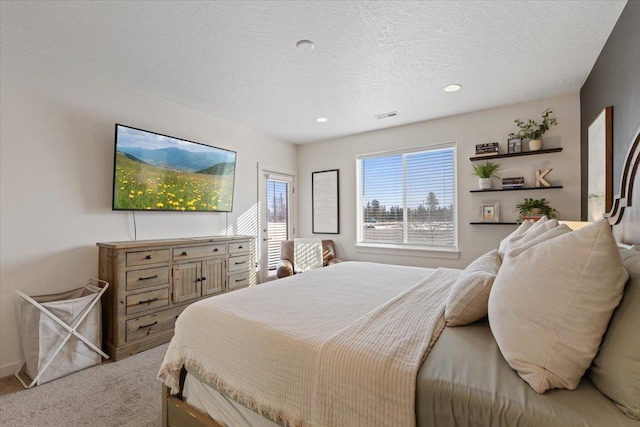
(528, 230)
(541, 227)
(550, 305)
(513, 237)
(540, 236)
(469, 296)
(539, 222)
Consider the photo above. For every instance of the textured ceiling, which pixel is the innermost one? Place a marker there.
(237, 60)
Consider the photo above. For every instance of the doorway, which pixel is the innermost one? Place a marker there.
(276, 201)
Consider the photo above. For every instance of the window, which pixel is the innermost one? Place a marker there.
(407, 198)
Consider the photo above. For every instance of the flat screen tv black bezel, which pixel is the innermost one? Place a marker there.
(113, 182)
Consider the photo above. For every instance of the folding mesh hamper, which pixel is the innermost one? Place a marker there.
(61, 333)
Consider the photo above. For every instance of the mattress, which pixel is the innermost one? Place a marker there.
(465, 381)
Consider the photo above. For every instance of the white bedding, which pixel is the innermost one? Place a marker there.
(222, 409)
(336, 346)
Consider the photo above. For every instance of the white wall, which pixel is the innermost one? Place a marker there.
(57, 136)
(466, 130)
(56, 160)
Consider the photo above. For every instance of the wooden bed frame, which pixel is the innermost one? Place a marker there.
(177, 413)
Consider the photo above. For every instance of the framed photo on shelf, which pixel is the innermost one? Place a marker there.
(514, 145)
(490, 212)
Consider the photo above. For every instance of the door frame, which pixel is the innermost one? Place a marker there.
(264, 173)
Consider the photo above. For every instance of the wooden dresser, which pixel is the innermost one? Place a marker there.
(152, 281)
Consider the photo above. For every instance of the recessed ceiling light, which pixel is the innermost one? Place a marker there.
(452, 88)
(321, 119)
(305, 45)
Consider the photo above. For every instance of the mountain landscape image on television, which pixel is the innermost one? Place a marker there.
(158, 172)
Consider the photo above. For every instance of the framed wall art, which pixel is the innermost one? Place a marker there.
(600, 173)
(325, 202)
(489, 212)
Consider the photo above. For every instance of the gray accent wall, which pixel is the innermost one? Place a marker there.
(614, 80)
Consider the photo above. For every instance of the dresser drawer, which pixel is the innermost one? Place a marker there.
(150, 324)
(137, 279)
(239, 280)
(147, 257)
(147, 300)
(193, 252)
(239, 247)
(239, 263)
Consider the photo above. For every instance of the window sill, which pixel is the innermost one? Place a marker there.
(405, 250)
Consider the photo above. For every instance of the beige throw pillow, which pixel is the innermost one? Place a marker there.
(550, 305)
(513, 237)
(528, 231)
(541, 227)
(469, 296)
(541, 235)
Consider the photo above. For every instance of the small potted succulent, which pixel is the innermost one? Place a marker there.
(484, 172)
(533, 130)
(535, 208)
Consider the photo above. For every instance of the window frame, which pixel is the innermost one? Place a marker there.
(401, 248)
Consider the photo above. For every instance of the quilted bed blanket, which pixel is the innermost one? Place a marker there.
(336, 346)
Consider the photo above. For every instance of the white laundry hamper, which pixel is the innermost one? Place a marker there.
(61, 333)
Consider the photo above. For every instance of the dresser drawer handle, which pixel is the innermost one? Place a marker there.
(240, 247)
(148, 257)
(241, 280)
(241, 262)
(149, 301)
(149, 325)
(215, 250)
(184, 253)
(148, 278)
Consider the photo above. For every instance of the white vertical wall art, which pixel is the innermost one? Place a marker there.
(325, 201)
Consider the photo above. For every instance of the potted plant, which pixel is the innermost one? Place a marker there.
(485, 172)
(533, 130)
(535, 208)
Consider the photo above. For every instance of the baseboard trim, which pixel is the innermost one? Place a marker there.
(9, 369)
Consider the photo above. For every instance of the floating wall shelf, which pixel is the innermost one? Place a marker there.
(493, 223)
(502, 156)
(515, 189)
(524, 153)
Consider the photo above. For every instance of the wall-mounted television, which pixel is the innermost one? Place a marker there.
(155, 172)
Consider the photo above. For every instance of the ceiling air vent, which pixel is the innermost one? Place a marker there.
(386, 115)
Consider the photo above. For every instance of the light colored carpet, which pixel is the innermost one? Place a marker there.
(124, 393)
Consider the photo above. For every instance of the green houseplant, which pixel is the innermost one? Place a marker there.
(535, 207)
(533, 130)
(485, 171)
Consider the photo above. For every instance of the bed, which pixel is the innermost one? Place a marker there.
(371, 346)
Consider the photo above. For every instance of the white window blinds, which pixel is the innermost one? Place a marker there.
(408, 197)
(277, 218)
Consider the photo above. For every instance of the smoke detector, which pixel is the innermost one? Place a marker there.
(386, 115)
